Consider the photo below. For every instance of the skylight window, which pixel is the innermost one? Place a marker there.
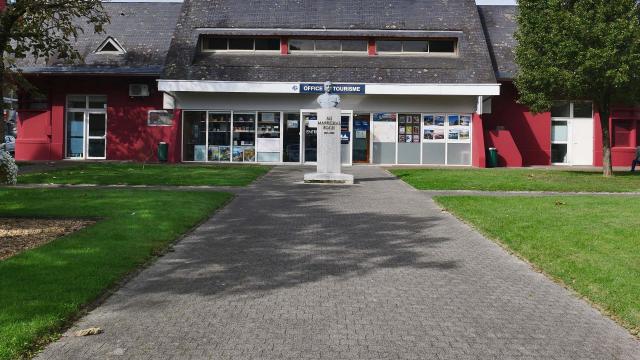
(110, 46)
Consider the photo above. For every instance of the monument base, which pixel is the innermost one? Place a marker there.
(328, 178)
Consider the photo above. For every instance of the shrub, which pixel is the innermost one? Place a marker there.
(8, 169)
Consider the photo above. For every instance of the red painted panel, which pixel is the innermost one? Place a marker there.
(531, 133)
(478, 143)
(620, 156)
(508, 153)
(128, 136)
(284, 46)
(371, 48)
(33, 142)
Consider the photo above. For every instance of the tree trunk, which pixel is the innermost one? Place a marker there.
(607, 168)
(3, 125)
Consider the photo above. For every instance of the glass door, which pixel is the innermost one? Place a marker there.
(310, 120)
(75, 135)
(291, 138)
(96, 135)
(345, 137)
(361, 138)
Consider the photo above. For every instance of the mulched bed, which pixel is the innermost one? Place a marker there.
(18, 234)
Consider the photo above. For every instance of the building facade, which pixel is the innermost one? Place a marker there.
(421, 82)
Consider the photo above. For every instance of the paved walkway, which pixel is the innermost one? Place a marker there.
(371, 271)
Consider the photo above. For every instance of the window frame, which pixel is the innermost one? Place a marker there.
(239, 51)
(316, 51)
(416, 53)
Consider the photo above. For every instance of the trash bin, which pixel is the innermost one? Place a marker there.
(163, 151)
(492, 159)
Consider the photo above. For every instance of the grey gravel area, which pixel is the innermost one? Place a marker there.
(370, 271)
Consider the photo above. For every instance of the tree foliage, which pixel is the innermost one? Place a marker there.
(42, 29)
(579, 49)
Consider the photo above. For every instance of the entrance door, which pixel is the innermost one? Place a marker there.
(310, 141)
(345, 137)
(96, 135)
(361, 137)
(75, 135)
(291, 138)
(581, 149)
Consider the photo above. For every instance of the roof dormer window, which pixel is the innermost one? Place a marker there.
(110, 46)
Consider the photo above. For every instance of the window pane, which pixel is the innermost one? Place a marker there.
(97, 125)
(561, 109)
(559, 131)
(215, 44)
(559, 153)
(622, 133)
(354, 45)
(415, 46)
(389, 46)
(300, 45)
(75, 134)
(582, 109)
(240, 44)
(442, 46)
(96, 148)
(77, 102)
(194, 136)
(268, 44)
(327, 45)
(97, 102)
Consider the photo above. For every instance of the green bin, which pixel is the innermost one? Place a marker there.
(492, 159)
(163, 151)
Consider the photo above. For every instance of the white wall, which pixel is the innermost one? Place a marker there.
(296, 102)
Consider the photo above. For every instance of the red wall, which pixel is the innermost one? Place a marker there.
(478, 142)
(620, 156)
(41, 134)
(531, 133)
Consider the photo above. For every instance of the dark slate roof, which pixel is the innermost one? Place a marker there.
(454, 18)
(143, 29)
(500, 24)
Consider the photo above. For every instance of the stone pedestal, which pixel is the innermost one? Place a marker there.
(329, 168)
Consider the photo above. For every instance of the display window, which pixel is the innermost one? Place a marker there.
(433, 127)
(409, 128)
(446, 139)
(268, 137)
(219, 136)
(244, 137)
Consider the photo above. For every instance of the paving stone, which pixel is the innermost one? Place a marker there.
(370, 271)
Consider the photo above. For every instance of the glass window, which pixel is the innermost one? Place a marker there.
(77, 102)
(583, 109)
(558, 153)
(328, 45)
(215, 44)
(442, 46)
(244, 137)
(75, 135)
(561, 109)
(559, 131)
(622, 133)
(240, 44)
(97, 102)
(301, 45)
(354, 45)
(409, 128)
(389, 46)
(268, 44)
(418, 46)
(219, 137)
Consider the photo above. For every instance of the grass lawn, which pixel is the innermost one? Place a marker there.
(43, 288)
(152, 174)
(517, 180)
(591, 244)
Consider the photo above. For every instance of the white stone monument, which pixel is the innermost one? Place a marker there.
(329, 168)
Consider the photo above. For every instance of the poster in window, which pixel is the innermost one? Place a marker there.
(463, 134)
(408, 139)
(401, 138)
(429, 120)
(409, 129)
(454, 120)
(402, 120)
(439, 120)
(465, 120)
(416, 130)
(401, 130)
(385, 117)
(249, 153)
(160, 118)
(454, 134)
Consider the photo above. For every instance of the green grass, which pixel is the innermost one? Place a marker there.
(591, 244)
(151, 174)
(517, 180)
(43, 288)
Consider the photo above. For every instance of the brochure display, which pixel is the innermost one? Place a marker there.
(268, 137)
(446, 139)
(409, 138)
(219, 136)
(244, 137)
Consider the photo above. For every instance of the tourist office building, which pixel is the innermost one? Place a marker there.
(421, 83)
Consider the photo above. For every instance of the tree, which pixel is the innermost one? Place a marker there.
(42, 29)
(579, 49)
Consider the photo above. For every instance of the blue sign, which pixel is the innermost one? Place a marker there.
(318, 88)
